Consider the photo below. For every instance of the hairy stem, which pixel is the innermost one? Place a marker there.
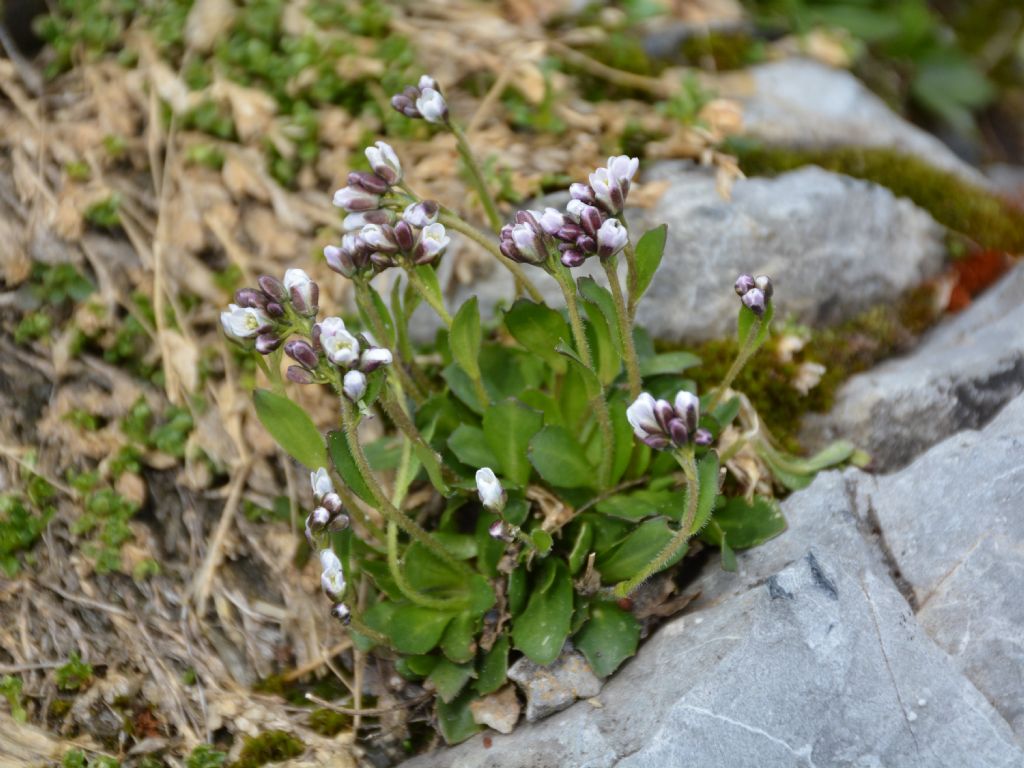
(631, 277)
(625, 328)
(749, 347)
(686, 460)
(486, 199)
(369, 308)
(604, 421)
(349, 420)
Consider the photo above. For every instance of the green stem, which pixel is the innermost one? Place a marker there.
(356, 624)
(452, 221)
(631, 277)
(689, 464)
(406, 588)
(349, 420)
(466, 153)
(749, 348)
(369, 308)
(625, 328)
(434, 301)
(604, 421)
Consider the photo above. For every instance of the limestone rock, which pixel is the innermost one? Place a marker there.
(799, 102)
(554, 687)
(957, 378)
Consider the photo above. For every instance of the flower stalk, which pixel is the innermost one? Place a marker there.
(476, 175)
(625, 327)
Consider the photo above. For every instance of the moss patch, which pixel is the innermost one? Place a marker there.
(268, 747)
(962, 207)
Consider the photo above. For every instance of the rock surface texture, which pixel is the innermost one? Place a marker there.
(812, 654)
(829, 242)
(963, 372)
(799, 102)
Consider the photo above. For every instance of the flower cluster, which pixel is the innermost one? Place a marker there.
(422, 101)
(589, 226)
(661, 424)
(339, 347)
(754, 292)
(376, 236)
(327, 516)
(266, 313)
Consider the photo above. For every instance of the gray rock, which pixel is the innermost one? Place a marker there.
(554, 687)
(822, 664)
(830, 243)
(800, 102)
(957, 378)
(952, 522)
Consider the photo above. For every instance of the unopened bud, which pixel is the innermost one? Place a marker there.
(340, 522)
(267, 343)
(354, 385)
(501, 531)
(765, 284)
(301, 352)
(250, 297)
(342, 613)
(743, 284)
(332, 502)
(702, 437)
(754, 301)
(273, 287)
(299, 375)
(275, 309)
(318, 519)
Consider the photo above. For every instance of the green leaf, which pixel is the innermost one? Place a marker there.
(449, 678)
(591, 383)
(541, 630)
(428, 277)
(668, 502)
(746, 524)
(455, 720)
(457, 641)
(385, 315)
(639, 548)
(560, 460)
(493, 667)
(609, 638)
(434, 577)
(460, 383)
(343, 462)
(470, 447)
(431, 462)
(607, 355)
(623, 439)
(668, 362)
(745, 324)
(516, 591)
(581, 546)
(508, 428)
(412, 628)
(648, 256)
(291, 427)
(465, 337)
(538, 328)
(541, 540)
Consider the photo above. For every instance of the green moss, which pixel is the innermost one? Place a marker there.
(327, 722)
(962, 207)
(726, 50)
(845, 349)
(268, 747)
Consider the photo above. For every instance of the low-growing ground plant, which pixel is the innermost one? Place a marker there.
(536, 467)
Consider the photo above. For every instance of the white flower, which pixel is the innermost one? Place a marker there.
(356, 221)
(550, 219)
(374, 357)
(432, 106)
(687, 407)
(641, 417)
(575, 209)
(492, 495)
(243, 322)
(340, 346)
(622, 168)
(354, 199)
(354, 385)
(298, 280)
(321, 483)
(426, 81)
(378, 238)
(433, 240)
(611, 238)
(384, 162)
(333, 578)
(527, 241)
(421, 214)
(603, 185)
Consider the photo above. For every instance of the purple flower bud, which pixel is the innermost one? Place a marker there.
(572, 258)
(421, 214)
(407, 106)
(384, 162)
(356, 199)
(274, 309)
(379, 238)
(373, 358)
(267, 343)
(687, 407)
(764, 283)
(250, 297)
(586, 244)
(342, 613)
(405, 238)
(303, 291)
(754, 301)
(339, 523)
(339, 260)
(582, 192)
(299, 375)
(501, 531)
(612, 237)
(356, 221)
(702, 437)
(677, 431)
(569, 232)
(301, 352)
(273, 287)
(382, 260)
(589, 218)
(743, 284)
(370, 182)
(332, 502)
(318, 519)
